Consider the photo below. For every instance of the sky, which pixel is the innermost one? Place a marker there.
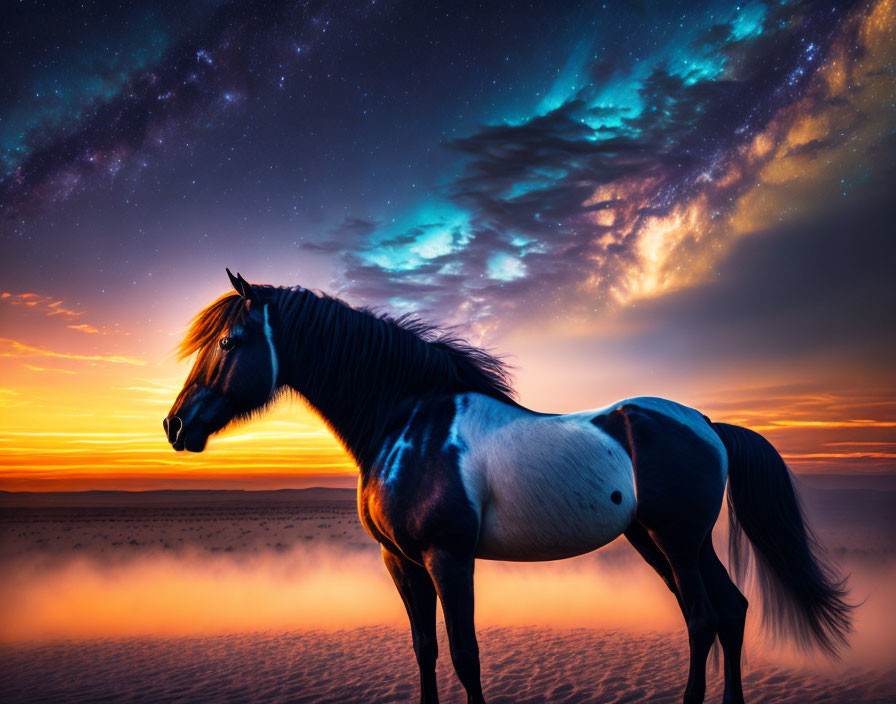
(688, 200)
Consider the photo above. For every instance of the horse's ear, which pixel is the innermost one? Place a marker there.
(235, 282)
(248, 292)
(241, 286)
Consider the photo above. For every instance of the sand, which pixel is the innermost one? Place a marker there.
(280, 596)
(374, 665)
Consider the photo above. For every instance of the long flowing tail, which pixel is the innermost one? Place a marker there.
(801, 596)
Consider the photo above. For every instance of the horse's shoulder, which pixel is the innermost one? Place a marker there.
(413, 490)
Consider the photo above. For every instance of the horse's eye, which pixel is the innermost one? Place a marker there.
(227, 343)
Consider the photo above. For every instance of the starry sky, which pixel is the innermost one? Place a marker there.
(691, 200)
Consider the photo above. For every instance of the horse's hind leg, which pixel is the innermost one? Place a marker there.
(731, 607)
(728, 603)
(452, 575)
(419, 597)
(702, 621)
(680, 483)
(640, 539)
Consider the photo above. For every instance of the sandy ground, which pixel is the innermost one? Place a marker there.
(280, 596)
(373, 665)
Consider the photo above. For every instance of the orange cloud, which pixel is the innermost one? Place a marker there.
(838, 429)
(19, 349)
(858, 444)
(839, 455)
(48, 304)
(9, 398)
(89, 329)
(776, 424)
(34, 368)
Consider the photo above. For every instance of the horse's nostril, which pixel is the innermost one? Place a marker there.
(172, 427)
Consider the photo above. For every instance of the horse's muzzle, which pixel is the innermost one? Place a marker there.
(182, 437)
(196, 414)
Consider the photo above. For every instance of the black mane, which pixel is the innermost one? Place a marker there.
(361, 370)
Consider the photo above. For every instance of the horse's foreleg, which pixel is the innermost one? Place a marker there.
(453, 576)
(419, 597)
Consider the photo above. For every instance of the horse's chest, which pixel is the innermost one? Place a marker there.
(548, 489)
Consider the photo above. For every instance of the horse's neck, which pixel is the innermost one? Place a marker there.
(328, 366)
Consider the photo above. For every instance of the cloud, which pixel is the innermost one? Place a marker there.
(345, 235)
(51, 307)
(820, 288)
(89, 329)
(47, 304)
(13, 348)
(593, 204)
(9, 398)
(34, 368)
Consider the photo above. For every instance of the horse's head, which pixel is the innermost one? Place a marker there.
(236, 369)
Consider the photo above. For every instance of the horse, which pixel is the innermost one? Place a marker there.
(452, 468)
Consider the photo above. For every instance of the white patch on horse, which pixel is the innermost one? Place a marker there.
(541, 485)
(453, 439)
(390, 469)
(393, 463)
(269, 336)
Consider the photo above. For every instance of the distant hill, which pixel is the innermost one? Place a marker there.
(171, 497)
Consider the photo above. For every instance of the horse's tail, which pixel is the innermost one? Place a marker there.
(801, 596)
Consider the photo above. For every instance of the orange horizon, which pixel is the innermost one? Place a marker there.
(100, 429)
(82, 410)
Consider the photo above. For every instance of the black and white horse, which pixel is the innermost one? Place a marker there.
(453, 469)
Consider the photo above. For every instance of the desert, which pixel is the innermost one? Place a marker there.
(280, 596)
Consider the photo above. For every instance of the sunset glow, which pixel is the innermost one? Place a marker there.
(92, 419)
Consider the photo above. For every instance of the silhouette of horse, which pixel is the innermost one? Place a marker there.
(453, 469)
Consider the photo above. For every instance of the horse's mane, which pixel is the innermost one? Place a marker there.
(407, 352)
(474, 368)
(355, 358)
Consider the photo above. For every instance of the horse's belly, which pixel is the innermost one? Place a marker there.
(553, 492)
(577, 534)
